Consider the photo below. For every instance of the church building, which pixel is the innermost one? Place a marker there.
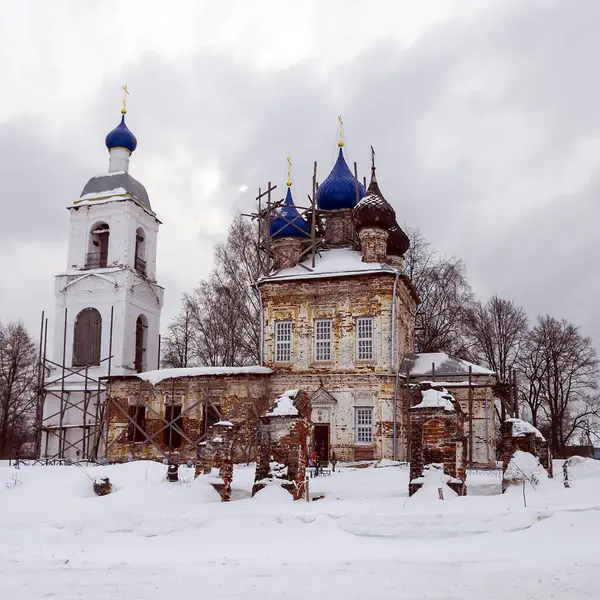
(337, 321)
(341, 329)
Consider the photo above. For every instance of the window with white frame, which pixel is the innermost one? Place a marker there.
(364, 338)
(364, 425)
(283, 341)
(323, 340)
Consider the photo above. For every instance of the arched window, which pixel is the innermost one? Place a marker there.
(140, 251)
(97, 254)
(141, 337)
(87, 338)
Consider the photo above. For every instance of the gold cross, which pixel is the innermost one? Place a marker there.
(341, 140)
(125, 94)
(289, 178)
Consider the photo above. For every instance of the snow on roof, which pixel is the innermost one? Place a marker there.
(224, 423)
(521, 428)
(447, 384)
(155, 377)
(105, 194)
(335, 262)
(436, 399)
(284, 405)
(421, 364)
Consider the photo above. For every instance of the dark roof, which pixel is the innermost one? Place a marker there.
(398, 242)
(107, 183)
(373, 210)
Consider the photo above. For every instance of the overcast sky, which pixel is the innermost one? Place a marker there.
(485, 117)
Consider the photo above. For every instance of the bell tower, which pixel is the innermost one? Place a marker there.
(108, 302)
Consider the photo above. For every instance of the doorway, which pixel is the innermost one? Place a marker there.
(321, 441)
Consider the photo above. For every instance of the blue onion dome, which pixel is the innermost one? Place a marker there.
(338, 191)
(288, 222)
(398, 242)
(121, 137)
(373, 210)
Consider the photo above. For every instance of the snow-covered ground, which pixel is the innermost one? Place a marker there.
(365, 539)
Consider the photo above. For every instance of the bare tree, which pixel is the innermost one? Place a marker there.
(495, 333)
(219, 323)
(179, 345)
(532, 365)
(563, 380)
(18, 372)
(418, 257)
(445, 296)
(237, 267)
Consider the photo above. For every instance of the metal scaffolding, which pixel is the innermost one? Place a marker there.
(86, 399)
(268, 211)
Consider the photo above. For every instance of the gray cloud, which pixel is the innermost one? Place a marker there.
(486, 132)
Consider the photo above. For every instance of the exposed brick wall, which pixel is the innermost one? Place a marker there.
(284, 439)
(484, 414)
(286, 252)
(373, 244)
(341, 299)
(339, 230)
(437, 436)
(241, 399)
(342, 394)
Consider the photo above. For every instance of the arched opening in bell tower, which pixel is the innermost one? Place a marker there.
(97, 254)
(140, 251)
(141, 338)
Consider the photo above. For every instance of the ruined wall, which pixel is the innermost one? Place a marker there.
(240, 398)
(284, 439)
(526, 442)
(437, 436)
(484, 414)
(217, 451)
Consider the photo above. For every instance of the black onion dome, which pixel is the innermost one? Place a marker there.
(397, 242)
(373, 210)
